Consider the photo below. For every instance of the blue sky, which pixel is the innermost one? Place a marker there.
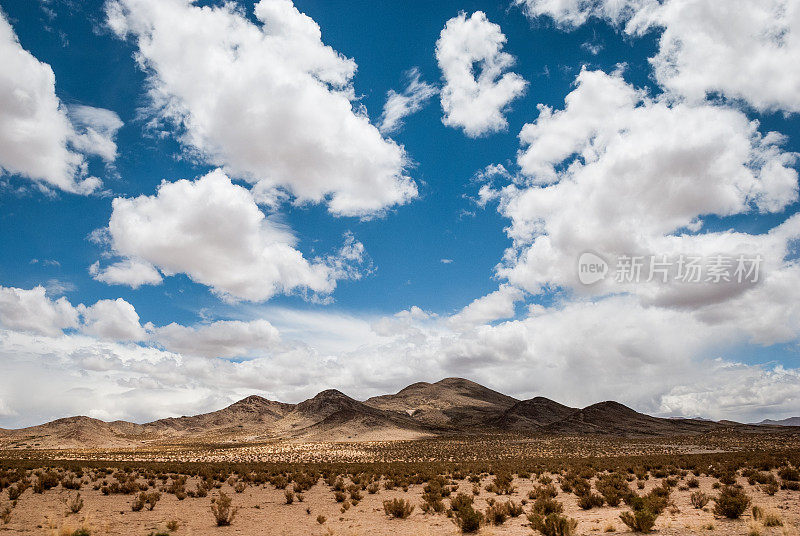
(406, 246)
(525, 316)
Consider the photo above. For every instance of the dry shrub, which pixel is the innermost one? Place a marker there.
(731, 502)
(699, 499)
(789, 473)
(771, 519)
(544, 506)
(45, 481)
(553, 524)
(496, 513)
(5, 514)
(547, 490)
(223, 510)
(74, 504)
(146, 498)
(15, 491)
(464, 514)
(645, 509)
(398, 508)
(770, 489)
(501, 484)
(590, 500)
(639, 520)
(613, 487)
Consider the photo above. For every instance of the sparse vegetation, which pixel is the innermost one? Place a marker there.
(451, 489)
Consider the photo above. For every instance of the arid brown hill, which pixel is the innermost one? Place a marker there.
(452, 403)
(613, 418)
(258, 414)
(533, 414)
(447, 407)
(334, 416)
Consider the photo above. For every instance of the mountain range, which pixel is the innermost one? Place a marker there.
(452, 406)
(791, 421)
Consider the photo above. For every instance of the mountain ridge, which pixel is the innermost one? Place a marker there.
(451, 406)
(789, 421)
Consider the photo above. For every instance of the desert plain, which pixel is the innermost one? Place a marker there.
(450, 457)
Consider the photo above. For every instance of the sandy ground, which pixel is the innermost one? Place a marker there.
(262, 510)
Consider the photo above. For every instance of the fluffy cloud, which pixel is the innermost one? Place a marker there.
(225, 338)
(401, 105)
(37, 139)
(131, 272)
(494, 306)
(742, 49)
(32, 311)
(570, 13)
(213, 231)
(747, 50)
(96, 129)
(270, 102)
(476, 102)
(619, 173)
(112, 319)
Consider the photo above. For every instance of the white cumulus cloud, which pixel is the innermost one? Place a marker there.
(37, 139)
(742, 49)
(476, 101)
(268, 101)
(31, 310)
(213, 231)
(131, 272)
(112, 319)
(619, 173)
